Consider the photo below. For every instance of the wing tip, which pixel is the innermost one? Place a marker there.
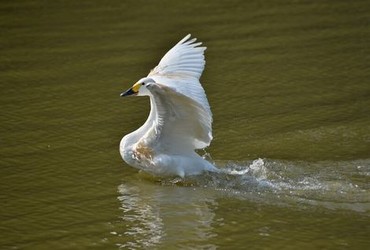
(188, 40)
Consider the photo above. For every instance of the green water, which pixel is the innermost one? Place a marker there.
(288, 82)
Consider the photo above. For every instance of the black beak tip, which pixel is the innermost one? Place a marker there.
(127, 93)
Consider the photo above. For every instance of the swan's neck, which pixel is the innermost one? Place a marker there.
(129, 140)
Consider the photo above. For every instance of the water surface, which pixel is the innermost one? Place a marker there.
(289, 88)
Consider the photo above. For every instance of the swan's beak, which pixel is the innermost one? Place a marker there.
(129, 92)
(133, 90)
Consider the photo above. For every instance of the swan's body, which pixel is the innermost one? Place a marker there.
(180, 118)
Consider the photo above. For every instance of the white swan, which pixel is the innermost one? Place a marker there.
(180, 119)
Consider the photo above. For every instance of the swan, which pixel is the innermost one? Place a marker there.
(180, 118)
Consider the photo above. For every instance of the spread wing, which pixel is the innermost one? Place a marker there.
(181, 122)
(178, 73)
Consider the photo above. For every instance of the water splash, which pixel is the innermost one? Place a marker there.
(333, 185)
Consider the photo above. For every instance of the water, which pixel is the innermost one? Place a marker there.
(289, 88)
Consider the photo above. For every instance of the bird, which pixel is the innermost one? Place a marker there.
(180, 118)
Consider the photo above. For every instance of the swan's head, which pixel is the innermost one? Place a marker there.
(140, 88)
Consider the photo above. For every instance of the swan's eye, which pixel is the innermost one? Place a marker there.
(143, 83)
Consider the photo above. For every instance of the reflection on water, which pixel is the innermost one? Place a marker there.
(174, 213)
(171, 216)
(144, 224)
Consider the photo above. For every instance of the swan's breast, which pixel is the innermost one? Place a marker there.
(138, 154)
(142, 152)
